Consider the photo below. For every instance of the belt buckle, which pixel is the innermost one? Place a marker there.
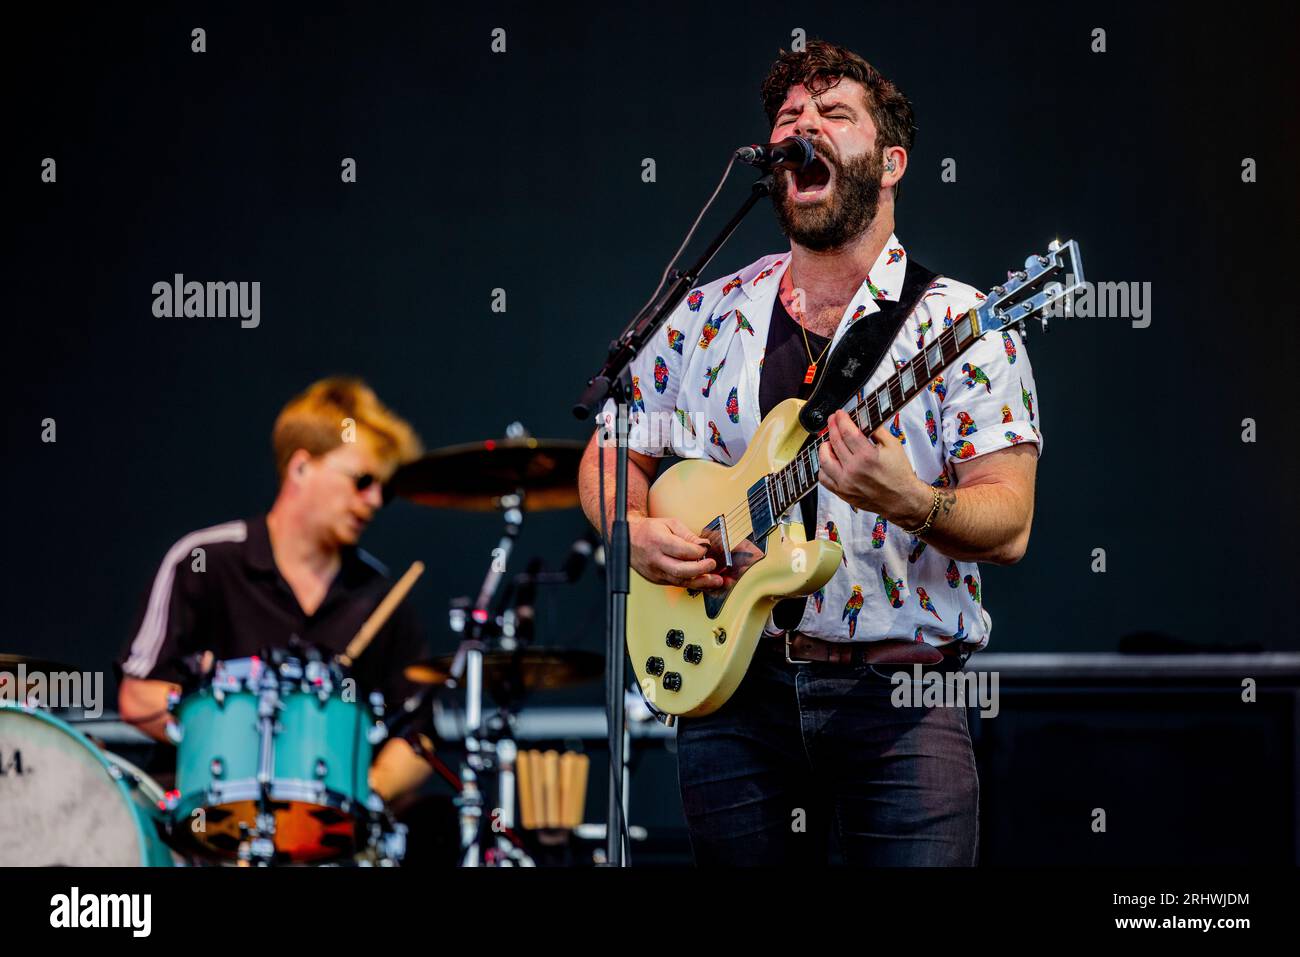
(794, 661)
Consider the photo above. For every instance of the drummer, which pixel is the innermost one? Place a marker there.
(245, 587)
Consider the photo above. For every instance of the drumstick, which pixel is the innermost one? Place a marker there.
(579, 805)
(524, 788)
(566, 771)
(575, 786)
(551, 773)
(539, 790)
(380, 615)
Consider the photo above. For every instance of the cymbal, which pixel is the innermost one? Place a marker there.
(9, 689)
(476, 475)
(534, 669)
(10, 663)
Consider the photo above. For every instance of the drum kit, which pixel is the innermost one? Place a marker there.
(273, 752)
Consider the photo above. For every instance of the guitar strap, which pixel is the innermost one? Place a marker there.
(862, 347)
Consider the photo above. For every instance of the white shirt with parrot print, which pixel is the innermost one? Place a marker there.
(696, 396)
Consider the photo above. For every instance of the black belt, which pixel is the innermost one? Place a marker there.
(798, 648)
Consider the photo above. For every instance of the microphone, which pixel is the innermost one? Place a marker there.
(525, 599)
(793, 152)
(580, 553)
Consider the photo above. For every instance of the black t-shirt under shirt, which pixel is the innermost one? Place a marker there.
(785, 363)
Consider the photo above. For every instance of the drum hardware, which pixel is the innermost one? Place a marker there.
(511, 476)
(511, 674)
(274, 751)
(275, 799)
(494, 656)
(276, 758)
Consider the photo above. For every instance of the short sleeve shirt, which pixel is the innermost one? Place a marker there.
(218, 589)
(695, 394)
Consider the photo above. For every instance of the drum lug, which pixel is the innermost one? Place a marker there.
(172, 728)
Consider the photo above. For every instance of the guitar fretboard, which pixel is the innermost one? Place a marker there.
(788, 485)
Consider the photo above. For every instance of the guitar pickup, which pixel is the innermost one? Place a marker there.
(717, 530)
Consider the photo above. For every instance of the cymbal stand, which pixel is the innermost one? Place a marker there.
(481, 750)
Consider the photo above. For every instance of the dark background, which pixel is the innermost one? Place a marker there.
(523, 171)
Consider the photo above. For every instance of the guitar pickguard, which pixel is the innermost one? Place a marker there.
(744, 556)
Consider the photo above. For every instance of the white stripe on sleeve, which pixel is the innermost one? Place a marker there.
(148, 642)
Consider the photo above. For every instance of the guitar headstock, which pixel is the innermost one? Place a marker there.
(1041, 288)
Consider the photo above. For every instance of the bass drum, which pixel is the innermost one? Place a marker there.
(66, 803)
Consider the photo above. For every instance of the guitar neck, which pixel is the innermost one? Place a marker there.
(788, 485)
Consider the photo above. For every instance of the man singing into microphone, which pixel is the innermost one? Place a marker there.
(810, 744)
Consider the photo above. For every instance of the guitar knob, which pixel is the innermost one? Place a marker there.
(672, 681)
(720, 635)
(675, 638)
(654, 666)
(693, 654)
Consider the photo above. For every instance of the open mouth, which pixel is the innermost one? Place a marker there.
(812, 181)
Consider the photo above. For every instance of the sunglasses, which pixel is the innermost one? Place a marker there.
(362, 481)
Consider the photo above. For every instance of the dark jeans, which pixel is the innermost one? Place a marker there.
(802, 752)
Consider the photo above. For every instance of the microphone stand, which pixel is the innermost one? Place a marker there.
(614, 380)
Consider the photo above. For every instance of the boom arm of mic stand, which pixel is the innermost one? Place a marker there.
(640, 331)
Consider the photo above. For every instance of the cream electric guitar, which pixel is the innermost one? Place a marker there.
(691, 649)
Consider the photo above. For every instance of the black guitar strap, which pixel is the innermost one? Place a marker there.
(860, 350)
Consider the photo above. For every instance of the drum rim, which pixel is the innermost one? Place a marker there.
(297, 790)
(249, 790)
(109, 768)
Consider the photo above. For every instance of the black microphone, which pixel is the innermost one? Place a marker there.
(793, 152)
(525, 599)
(579, 554)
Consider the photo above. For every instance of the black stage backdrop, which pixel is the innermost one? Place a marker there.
(522, 171)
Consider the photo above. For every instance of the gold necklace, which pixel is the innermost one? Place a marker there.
(812, 363)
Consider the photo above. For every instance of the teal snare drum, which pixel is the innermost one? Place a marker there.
(273, 762)
(66, 803)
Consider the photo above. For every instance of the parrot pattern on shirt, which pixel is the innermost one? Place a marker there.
(706, 373)
(851, 609)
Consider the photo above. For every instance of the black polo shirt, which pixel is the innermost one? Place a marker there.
(218, 589)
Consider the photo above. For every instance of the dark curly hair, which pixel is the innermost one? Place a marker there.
(820, 66)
